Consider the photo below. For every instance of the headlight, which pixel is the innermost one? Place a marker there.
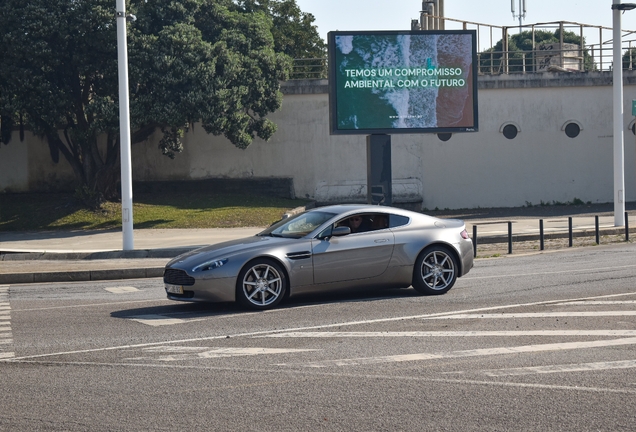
(210, 265)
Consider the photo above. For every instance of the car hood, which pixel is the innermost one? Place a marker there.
(229, 248)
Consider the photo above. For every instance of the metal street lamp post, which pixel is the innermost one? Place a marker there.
(617, 86)
(124, 129)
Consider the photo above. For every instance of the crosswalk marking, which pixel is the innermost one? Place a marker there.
(6, 338)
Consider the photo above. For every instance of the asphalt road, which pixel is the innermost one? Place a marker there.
(538, 342)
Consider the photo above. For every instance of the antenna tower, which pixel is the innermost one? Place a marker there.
(522, 11)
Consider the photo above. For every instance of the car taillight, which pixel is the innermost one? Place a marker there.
(464, 235)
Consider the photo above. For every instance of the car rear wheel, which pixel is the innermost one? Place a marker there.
(435, 271)
(261, 284)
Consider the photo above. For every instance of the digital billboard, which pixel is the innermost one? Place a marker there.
(388, 82)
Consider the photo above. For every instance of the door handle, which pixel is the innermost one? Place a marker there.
(381, 240)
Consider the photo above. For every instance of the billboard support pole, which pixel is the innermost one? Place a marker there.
(379, 184)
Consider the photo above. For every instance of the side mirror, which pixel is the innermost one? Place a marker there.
(341, 231)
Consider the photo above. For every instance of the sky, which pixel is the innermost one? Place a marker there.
(397, 14)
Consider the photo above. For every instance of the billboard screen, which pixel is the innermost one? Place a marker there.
(388, 82)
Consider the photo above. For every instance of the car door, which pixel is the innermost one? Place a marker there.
(350, 257)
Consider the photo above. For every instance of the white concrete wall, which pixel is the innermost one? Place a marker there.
(482, 169)
(27, 166)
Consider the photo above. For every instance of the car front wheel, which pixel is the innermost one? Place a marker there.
(435, 271)
(261, 285)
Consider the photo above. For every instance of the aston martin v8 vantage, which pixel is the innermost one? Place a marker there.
(326, 248)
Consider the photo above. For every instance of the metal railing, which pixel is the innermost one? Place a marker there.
(595, 54)
(311, 68)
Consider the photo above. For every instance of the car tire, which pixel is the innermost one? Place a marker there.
(435, 271)
(261, 284)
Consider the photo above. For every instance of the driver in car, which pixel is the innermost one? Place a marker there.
(358, 224)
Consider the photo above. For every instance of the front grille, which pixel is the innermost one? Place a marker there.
(177, 277)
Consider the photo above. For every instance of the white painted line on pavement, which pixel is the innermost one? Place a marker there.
(156, 320)
(6, 355)
(207, 353)
(582, 367)
(316, 372)
(6, 341)
(536, 315)
(466, 353)
(121, 290)
(452, 334)
(316, 327)
(582, 270)
(597, 302)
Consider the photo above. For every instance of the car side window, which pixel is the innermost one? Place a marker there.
(397, 220)
(365, 222)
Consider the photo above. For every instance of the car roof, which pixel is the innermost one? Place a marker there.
(357, 208)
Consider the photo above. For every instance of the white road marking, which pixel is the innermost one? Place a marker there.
(464, 353)
(582, 367)
(122, 290)
(206, 367)
(452, 334)
(597, 302)
(6, 340)
(207, 353)
(316, 327)
(591, 270)
(537, 315)
(157, 320)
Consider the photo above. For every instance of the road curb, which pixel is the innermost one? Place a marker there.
(81, 275)
(116, 254)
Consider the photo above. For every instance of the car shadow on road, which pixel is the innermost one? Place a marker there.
(179, 310)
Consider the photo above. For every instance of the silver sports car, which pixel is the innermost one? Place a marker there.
(326, 248)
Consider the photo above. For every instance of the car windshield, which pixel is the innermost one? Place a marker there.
(298, 226)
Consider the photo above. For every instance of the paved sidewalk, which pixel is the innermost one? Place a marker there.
(57, 256)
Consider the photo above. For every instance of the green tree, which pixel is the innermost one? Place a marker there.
(629, 59)
(520, 45)
(207, 61)
(295, 35)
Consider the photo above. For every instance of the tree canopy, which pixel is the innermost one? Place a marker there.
(217, 62)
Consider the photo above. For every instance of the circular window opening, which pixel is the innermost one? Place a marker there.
(445, 136)
(510, 131)
(572, 130)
